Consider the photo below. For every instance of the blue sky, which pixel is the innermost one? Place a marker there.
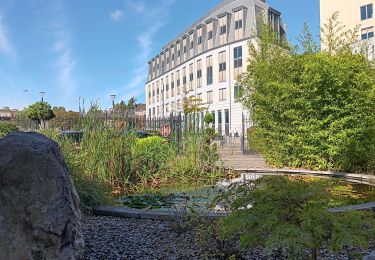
(93, 48)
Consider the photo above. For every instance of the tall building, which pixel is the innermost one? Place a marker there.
(353, 13)
(205, 60)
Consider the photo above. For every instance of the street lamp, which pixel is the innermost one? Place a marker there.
(42, 94)
(113, 97)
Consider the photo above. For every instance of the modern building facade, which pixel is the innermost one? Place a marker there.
(205, 60)
(353, 13)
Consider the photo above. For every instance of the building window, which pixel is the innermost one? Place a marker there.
(210, 35)
(366, 12)
(209, 71)
(222, 94)
(222, 66)
(209, 75)
(238, 24)
(200, 40)
(153, 111)
(149, 112)
(167, 90)
(237, 92)
(223, 29)
(238, 57)
(209, 97)
(184, 48)
(199, 73)
(367, 33)
(173, 57)
(191, 44)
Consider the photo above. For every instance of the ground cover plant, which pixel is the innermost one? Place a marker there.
(312, 109)
(290, 213)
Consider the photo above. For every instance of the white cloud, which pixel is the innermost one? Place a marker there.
(137, 6)
(65, 61)
(157, 17)
(5, 45)
(116, 16)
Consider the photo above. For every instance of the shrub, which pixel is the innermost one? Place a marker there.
(6, 128)
(313, 110)
(290, 213)
(150, 160)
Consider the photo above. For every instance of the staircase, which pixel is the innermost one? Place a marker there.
(232, 157)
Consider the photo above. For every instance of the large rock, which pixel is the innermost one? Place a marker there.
(39, 206)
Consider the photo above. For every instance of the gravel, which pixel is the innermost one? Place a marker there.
(118, 238)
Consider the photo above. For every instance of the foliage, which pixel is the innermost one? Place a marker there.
(65, 120)
(150, 160)
(107, 155)
(212, 240)
(6, 128)
(40, 112)
(209, 118)
(336, 37)
(299, 223)
(312, 110)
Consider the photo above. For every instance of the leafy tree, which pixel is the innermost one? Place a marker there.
(290, 213)
(40, 112)
(312, 109)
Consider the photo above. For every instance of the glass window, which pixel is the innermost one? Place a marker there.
(238, 57)
(210, 35)
(222, 94)
(238, 24)
(366, 12)
(367, 33)
(223, 29)
(209, 96)
(209, 75)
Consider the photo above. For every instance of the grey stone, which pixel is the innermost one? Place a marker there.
(39, 206)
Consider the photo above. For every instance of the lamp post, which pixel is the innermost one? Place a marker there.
(42, 94)
(113, 97)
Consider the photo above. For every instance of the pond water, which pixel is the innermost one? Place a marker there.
(343, 191)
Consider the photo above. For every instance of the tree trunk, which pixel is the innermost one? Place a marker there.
(314, 253)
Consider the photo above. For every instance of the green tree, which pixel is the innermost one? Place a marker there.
(312, 109)
(290, 213)
(40, 112)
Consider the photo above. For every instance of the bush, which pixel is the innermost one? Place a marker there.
(150, 160)
(313, 110)
(6, 128)
(290, 213)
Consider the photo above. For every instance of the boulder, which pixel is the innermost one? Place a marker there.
(39, 206)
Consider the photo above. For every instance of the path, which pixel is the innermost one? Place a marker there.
(233, 158)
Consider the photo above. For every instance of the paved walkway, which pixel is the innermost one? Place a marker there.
(233, 158)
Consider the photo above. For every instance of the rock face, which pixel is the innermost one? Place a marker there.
(39, 206)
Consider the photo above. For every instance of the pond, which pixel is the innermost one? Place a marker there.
(343, 193)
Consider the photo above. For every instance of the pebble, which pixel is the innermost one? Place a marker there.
(126, 239)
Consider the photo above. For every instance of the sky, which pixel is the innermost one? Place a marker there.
(89, 49)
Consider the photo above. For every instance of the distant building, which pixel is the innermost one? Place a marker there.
(7, 114)
(140, 110)
(353, 13)
(205, 60)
